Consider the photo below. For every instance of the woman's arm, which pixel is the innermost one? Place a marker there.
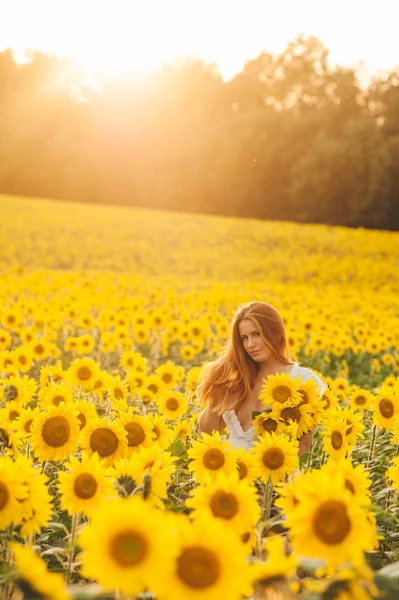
(209, 421)
(305, 442)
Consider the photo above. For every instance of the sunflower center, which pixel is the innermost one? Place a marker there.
(290, 414)
(336, 440)
(4, 495)
(242, 469)
(27, 425)
(157, 431)
(331, 523)
(153, 388)
(360, 400)
(281, 393)
(118, 393)
(13, 414)
(305, 398)
(246, 537)
(198, 567)
(129, 548)
(56, 431)
(224, 505)
(56, 401)
(84, 373)
(85, 486)
(167, 378)
(213, 459)
(82, 420)
(349, 486)
(269, 425)
(387, 408)
(172, 404)
(135, 434)
(273, 458)
(103, 441)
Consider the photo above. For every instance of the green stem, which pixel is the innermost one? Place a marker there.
(372, 445)
(267, 500)
(75, 521)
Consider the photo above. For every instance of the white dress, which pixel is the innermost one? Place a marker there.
(245, 439)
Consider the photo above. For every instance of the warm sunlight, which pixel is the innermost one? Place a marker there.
(120, 36)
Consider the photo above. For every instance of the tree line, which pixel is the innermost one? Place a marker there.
(289, 138)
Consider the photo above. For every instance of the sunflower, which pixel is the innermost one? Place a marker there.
(11, 413)
(141, 334)
(138, 429)
(187, 352)
(127, 546)
(329, 400)
(158, 463)
(301, 415)
(202, 569)
(54, 432)
(386, 408)
(246, 466)
(356, 479)
(169, 373)
(173, 405)
(9, 437)
(280, 388)
(392, 473)
(86, 486)
(327, 523)
(133, 361)
(54, 394)
(136, 381)
(277, 566)
(40, 349)
(123, 474)
(34, 578)
(37, 505)
(335, 439)
(163, 435)
(106, 438)
(12, 491)
(25, 420)
(210, 457)
(86, 412)
(183, 429)
(85, 344)
(229, 499)
(155, 385)
(5, 339)
(23, 358)
(276, 457)
(117, 391)
(83, 372)
(53, 373)
(192, 379)
(310, 394)
(360, 399)
(264, 423)
(17, 388)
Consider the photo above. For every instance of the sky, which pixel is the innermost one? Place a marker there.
(118, 35)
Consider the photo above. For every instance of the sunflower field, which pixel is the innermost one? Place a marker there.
(107, 490)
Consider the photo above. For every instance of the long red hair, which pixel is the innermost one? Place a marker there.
(227, 381)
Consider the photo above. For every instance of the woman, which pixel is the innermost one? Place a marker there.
(230, 386)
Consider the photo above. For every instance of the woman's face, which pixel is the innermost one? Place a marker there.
(251, 339)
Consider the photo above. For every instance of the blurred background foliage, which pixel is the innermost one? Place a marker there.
(289, 137)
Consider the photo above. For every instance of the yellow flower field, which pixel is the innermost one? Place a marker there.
(106, 316)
